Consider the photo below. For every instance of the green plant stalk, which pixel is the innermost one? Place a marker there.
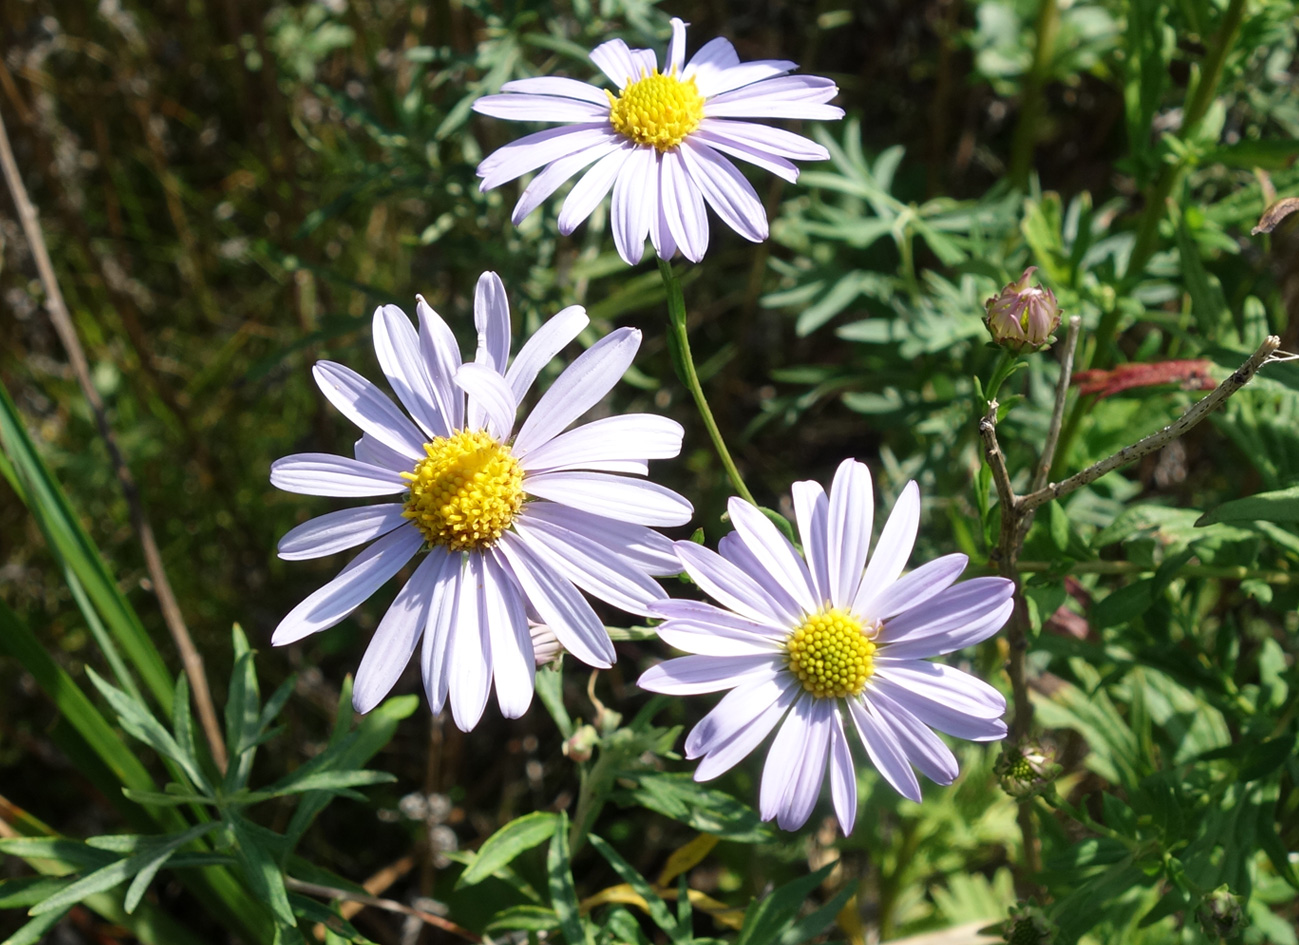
(1030, 113)
(1006, 365)
(679, 340)
(1199, 99)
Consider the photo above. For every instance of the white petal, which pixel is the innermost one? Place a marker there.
(397, 345)
(848, 529)
(711, 58)
(556, 85)
(438, 346)
(536, 150)
(584, 563)
(515, 107)
(782, 168)
(897, 538)
(364, 575)
(582, 385)
(546, 342)
(789, 96)
(683, 207)
(620, 497)
(795, 768)
(635, 203)
(492, 321)
(557, 602)
(912, 590)
(774, 552)
(727, 192)
(617, 62)
(727, 584)
(958, 606)
(691, 675)
(885, 752)
(738, 724)
(556, 172)
(703, 629)
(327, 474)
(470, 653)
(923, 748)
(370, 451)
(955, 638)
(743, 74)
(811, 508)
(641, 546)
(435, 654)
(843, 776)
(630, 436)
(595, 183)
(936, 682)
(513, 665)
(337, 531)
(734, 549)
(676, 57)
(939, 714)
(665, 244)
(368, 407)
(397, 635)
(489, 397)
(765, 139)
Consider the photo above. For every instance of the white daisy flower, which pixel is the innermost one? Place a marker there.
(660, 143)
(801, 641)
(507, 524)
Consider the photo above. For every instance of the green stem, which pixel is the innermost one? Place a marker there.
(679, 340)
(1030, 121)
(1199, 99)
(1006, 365)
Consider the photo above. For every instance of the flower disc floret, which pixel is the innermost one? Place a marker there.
(831, 654)
(658, 110)
(466, 491)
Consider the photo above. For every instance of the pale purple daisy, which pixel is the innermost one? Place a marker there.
(507, 525)
(803, 640)
(660, 143)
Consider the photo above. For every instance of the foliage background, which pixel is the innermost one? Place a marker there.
(229, 190)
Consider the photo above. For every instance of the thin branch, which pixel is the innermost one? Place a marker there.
(997, 460)
(1057, 416)
(1156, 441)
(391, 905)
(67, 333)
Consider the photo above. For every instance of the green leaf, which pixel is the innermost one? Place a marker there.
(766, 919)
(335, 781)
(563, 894)
(28, 890)
(77, 554)
(523, 918)
(33, 932)
(153, 853)
(705, 809)
(260, 868)
(135, 892)
(813, 924)
(137, 721)
(658, 909)
(70, 853)
(1279, 506)
(500, 849)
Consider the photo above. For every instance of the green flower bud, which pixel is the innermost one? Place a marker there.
(581, 744)
(1023, 317)
(1028, 925)
(1220, 914)
(1027, 770)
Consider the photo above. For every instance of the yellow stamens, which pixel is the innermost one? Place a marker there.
(658, 109)
(465, 492)
(831, 654)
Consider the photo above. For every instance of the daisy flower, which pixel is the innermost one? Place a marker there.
(804, 641)
(661, 142)
(506, 524)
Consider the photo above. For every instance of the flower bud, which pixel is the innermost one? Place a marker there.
(1023, 317)
(1220, 914)
(1028, 925)
(1027, 770)
(581, 744)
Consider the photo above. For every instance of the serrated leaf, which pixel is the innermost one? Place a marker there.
(500, 849)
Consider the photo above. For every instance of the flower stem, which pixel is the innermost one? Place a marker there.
(679, 343)
(1006, 365)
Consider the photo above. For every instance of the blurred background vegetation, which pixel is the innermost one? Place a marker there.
(229, 189)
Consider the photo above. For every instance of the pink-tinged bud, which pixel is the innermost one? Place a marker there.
(546, 647)
(1023, 317)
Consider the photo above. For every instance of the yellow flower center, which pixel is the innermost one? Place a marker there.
(657, 109)
(831, 654)
(465, 492)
